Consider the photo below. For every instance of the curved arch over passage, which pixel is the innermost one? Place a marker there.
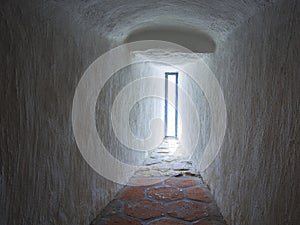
(192, 39)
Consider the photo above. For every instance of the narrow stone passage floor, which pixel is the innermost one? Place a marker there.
(167, 192)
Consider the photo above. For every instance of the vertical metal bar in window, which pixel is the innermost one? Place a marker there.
(176, 107)
(167, 125)
(166, 103)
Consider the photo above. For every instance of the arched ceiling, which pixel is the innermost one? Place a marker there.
(189, 38)
(116, 20)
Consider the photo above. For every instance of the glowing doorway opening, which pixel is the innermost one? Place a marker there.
(171, 105)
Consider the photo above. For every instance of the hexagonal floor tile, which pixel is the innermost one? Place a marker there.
(197, 193)
(165, 193)
(144, 209)
(189, 211)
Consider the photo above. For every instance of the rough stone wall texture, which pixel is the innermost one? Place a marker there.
(43, 177)
(140, 115)
(149, 108)
(195, 130)
(255, 178)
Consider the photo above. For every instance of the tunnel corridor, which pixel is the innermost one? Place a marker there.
(84, 138)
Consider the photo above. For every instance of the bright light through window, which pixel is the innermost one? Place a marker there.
(171, 104)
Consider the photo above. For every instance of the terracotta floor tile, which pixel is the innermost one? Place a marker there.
(144, 209)
(197, 193)
(165, 193)
(187, 210)
(130, 193)
(181, 183)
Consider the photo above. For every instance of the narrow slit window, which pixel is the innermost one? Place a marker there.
(171, 104)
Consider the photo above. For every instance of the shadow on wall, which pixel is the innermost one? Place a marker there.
(190, 38)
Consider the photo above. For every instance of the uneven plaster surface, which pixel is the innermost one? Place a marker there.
(255, 178)
(145, 110)
(115, 20)
(140, 115)
(43, 178)
(47, 45)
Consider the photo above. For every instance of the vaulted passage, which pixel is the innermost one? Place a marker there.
(149, 112)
